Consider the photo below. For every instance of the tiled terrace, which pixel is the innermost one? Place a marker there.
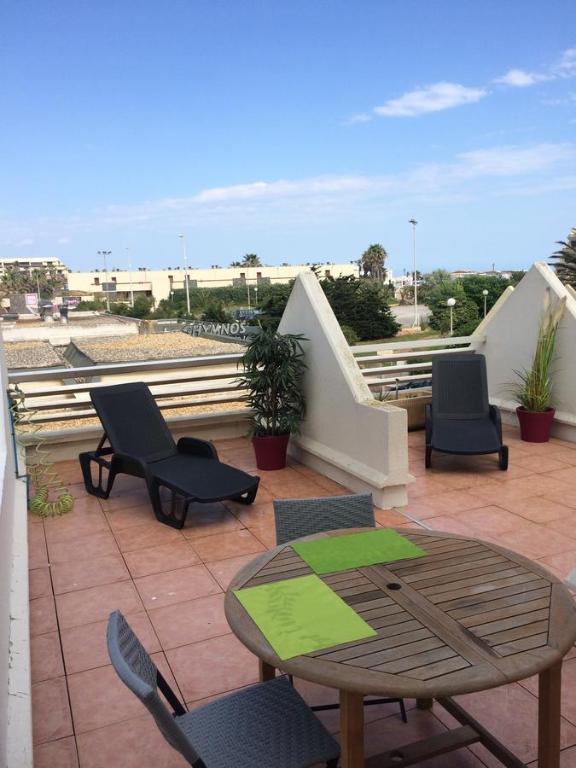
(170, 585)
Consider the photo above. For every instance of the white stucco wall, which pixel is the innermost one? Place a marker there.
(510, 332)
(347, 435)
(15, 699)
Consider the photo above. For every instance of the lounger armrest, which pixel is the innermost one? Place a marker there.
(197, 447)
(131, 465)
(496, 419)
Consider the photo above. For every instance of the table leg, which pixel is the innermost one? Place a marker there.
(352, 729)
(549, 697)
(424, 703)
(267, 671)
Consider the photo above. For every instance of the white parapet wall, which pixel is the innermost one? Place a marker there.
(507, 337)
(347, 435)
(15, 700)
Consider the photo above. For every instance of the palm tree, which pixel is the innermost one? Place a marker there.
(565, 259)
(251, 260)
(372, 261)
(236, 264)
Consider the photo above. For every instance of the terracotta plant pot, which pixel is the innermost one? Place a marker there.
(270, 451)
(535, 426)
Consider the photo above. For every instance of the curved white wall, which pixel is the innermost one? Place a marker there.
(510, 332)
(347, 435)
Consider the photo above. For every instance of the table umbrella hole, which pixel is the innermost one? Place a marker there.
(396, 757)
(393, 585)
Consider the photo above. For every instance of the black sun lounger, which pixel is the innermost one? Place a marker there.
(460, 419)
(141, 444)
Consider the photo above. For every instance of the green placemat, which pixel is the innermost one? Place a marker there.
(302, 615)
(354, 550)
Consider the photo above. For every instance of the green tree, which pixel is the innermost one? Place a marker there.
(18, 279)
(516, 276)
(373, 260)
(565, 259)
(474, 285)
(431, 281)
(274, 304)
(142, 307)
(361, 305)
(215, 312)
(465, 311)
(251, 260)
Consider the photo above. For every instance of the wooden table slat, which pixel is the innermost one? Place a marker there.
(492, 608)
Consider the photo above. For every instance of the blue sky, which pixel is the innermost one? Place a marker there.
(301, 131)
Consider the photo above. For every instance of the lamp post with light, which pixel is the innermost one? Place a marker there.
(186, 281)
(130, 276)
(485, 294)
(450, 303)
(416, 315)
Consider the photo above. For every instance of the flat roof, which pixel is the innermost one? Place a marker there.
(32, 354)
(125, 349)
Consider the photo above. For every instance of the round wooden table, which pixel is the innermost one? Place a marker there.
(466, 617)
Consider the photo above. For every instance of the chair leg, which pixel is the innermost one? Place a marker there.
(249, 496)
(403, 710)
(332, 763)
(102, 490)
(503, 458)
(428, 459)
(172, 519)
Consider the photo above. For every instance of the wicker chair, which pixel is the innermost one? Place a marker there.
(267, 725)
(296, 518)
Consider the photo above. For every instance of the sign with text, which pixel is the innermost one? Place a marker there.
(216, 329)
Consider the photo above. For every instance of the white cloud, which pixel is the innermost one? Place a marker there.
(63, 240)
(320, 200)
(431, 98)
(519, 78)
(361, 118)
(566, 67)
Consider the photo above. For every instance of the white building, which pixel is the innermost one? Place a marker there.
(159, 283)
(34, 262)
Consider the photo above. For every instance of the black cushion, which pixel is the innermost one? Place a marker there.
(203, 478)
(465, 436)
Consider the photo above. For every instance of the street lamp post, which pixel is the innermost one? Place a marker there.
(416, 315)
(450, 303)
(130, 277)
(186, 281)
(485, 294)
(255, 297)
(105, 255)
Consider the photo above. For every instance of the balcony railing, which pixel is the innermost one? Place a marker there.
(394, 364)
(62, 394)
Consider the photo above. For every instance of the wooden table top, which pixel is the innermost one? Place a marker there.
(466, 617)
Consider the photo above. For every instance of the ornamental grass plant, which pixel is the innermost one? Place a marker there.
(534, 390)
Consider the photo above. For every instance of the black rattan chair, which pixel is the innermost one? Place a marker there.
(296, 518)
(267, 725)
(460, 419)
(141, 444)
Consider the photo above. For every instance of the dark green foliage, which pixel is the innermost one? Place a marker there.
(22, 280)
(373, 260)
(273, 306)
(216, 313)
(273, 375)
(350, 335)
(91, 306)
(361, 305)
(516, 276)
(142, 307)
(565, 259)
(474, 285)
(465, 311)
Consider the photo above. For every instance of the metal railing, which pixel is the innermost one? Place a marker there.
(390, 366)
(50, 395)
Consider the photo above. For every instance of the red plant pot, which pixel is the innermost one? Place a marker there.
(535, 426)
(270, 451)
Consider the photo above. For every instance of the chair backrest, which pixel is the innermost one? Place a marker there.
(460, 387)
(139, 673)
(132, 421)
(303, 517)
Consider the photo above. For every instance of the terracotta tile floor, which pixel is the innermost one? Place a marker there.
(169, 584)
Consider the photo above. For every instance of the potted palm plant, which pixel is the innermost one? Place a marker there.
(534, 391)
(273, 375)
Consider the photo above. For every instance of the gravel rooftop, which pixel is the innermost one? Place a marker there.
(115, 349)
(32, 354)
